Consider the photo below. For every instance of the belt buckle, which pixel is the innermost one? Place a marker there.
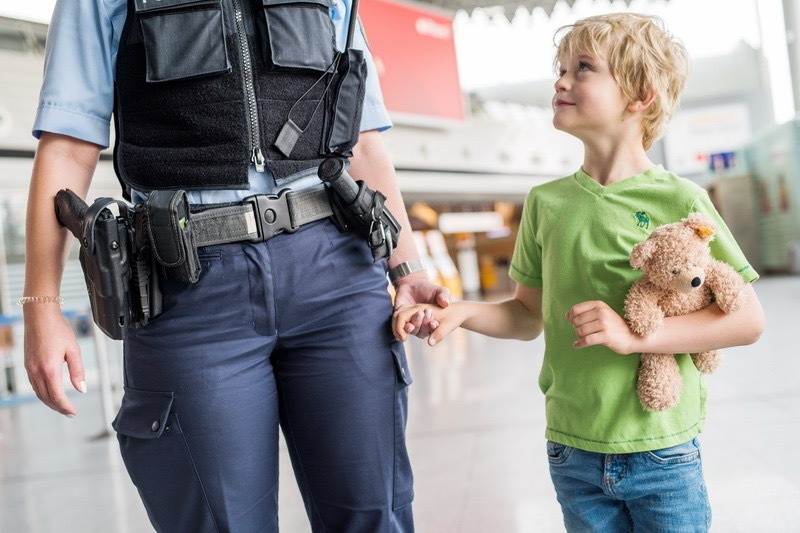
(272, 213)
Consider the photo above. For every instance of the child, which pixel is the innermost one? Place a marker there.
(615, 466)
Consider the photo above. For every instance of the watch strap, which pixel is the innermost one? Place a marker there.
(404, 269)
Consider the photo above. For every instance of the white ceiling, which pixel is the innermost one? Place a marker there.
(509, 6)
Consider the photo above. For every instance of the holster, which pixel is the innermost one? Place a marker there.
(114, 259)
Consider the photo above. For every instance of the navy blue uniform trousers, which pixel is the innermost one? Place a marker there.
(294, 332)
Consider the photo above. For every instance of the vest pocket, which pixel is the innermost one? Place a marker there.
(299, 34)
(182, 38)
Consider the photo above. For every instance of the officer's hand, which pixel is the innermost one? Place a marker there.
(49, 343)
(416, 288)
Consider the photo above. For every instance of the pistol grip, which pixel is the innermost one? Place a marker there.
(70, 211)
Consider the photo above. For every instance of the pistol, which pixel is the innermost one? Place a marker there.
(104, 255)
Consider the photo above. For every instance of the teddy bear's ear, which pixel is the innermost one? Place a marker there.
(641, 253)
(702, 226)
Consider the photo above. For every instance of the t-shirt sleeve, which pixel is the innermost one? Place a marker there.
(724, 247)
(526, 263)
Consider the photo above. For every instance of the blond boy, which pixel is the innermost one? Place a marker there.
(615, 466)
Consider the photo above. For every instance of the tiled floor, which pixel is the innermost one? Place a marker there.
(475, 435)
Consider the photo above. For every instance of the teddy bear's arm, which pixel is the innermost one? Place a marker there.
(727, 286)
(642, 312)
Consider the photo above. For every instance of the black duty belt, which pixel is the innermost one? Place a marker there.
(260, 217)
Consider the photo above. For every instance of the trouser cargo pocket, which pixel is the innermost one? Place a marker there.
(403, 476)
(159, 462)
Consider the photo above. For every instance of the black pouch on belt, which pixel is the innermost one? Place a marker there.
(170, 229)
(360, 209)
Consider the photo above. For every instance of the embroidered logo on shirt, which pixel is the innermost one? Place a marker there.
(642, 220)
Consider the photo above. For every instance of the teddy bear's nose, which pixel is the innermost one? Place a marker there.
(696, 282)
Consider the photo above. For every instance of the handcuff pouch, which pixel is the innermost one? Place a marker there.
(170, 230)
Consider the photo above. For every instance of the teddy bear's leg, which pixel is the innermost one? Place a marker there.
(707, 362)
(659, 383)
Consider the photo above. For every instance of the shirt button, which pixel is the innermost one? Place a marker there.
(155, 425)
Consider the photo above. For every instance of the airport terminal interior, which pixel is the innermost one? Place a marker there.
(475, 435)
(466, 154)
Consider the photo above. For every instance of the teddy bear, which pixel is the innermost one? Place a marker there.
(679, 277)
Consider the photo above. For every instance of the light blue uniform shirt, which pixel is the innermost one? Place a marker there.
(77, 97)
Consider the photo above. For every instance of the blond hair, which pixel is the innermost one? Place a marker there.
(642, 56)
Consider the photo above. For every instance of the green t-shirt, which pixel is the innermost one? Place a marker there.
(574, 242)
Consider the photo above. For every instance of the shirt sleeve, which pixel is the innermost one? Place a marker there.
(374, 116)
(77, 95)
(724, 247)
(526, 262)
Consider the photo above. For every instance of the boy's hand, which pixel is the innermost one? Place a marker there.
(408, 319)
(442, 320)
(596, 323)
(417, 288)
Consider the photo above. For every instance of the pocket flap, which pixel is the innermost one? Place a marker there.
(167, 214)
(269, 3)
(401, 362)
(145, 6)
(143, 414)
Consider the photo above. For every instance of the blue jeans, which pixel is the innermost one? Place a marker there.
(659, 491)
(293, 332)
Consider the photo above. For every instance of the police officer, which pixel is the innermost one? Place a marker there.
(227, 99)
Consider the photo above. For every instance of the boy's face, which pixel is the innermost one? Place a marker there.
(588, 101)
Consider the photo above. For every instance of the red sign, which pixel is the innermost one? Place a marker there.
(415, 54)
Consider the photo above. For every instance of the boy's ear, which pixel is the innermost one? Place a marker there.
(641, 105)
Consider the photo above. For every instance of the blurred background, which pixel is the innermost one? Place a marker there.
(468, 84)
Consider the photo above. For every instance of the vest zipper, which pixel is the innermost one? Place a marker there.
(256, 157)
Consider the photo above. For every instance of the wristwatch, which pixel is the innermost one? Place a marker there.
(404, 269)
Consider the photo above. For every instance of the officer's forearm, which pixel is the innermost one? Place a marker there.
(371, 163)
(60, 162)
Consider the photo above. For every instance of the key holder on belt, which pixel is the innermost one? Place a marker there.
(360, 209)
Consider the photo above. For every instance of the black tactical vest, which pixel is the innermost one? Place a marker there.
(205, 88)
